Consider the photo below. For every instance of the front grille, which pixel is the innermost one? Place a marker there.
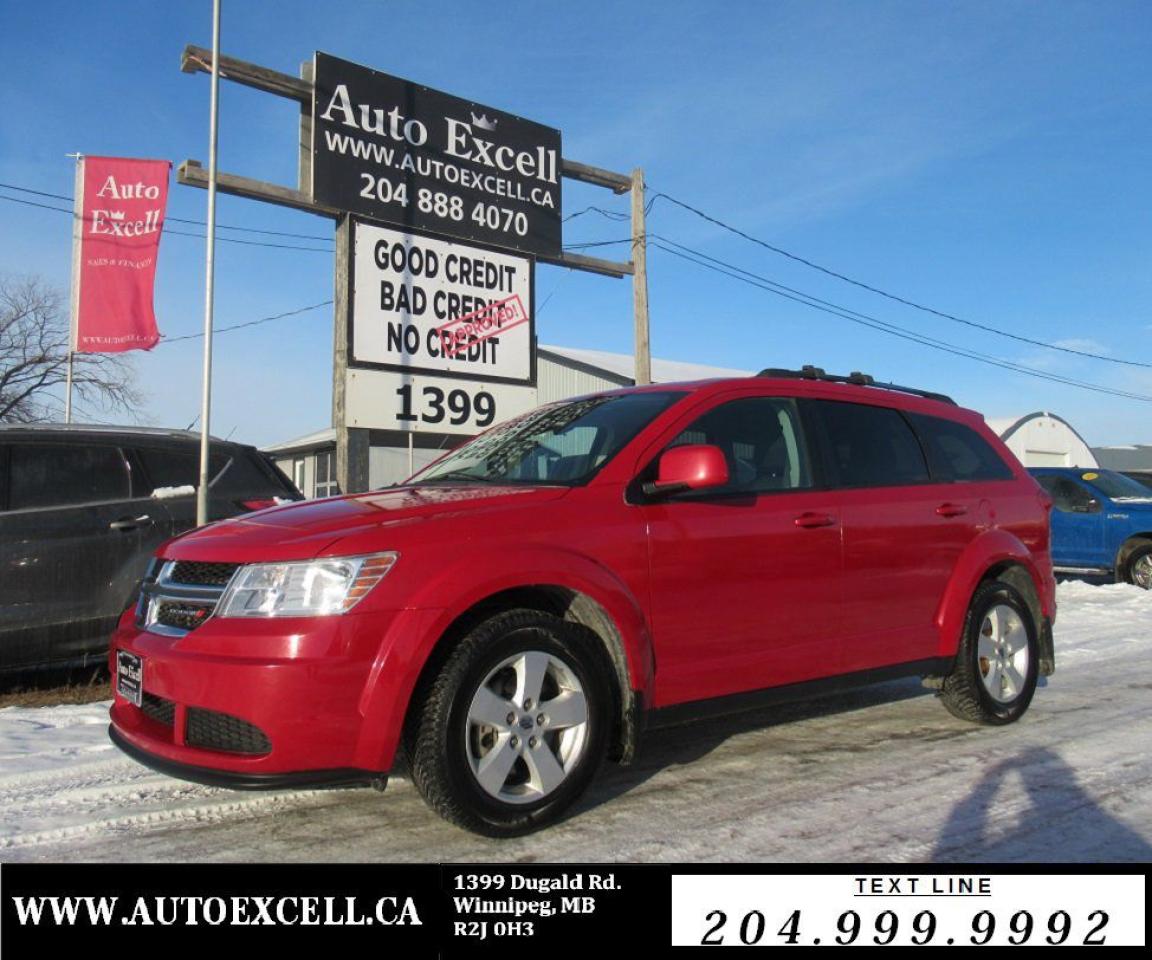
(182, 596)
(158, 709)
(201, 574)
(181, 614)
(220, 731)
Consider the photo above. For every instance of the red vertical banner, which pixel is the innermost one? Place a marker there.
(120, 209)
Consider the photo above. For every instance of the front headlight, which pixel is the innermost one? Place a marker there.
(313, 588)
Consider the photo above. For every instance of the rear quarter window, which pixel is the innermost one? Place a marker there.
(957, 453)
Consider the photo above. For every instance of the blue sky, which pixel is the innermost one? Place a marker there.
(988, 159)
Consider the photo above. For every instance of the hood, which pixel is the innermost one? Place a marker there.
(302, 530)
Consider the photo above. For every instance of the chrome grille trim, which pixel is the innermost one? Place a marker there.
(163, 595)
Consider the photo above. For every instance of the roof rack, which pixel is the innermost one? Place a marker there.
(856, 378)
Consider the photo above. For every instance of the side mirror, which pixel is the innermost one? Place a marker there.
(697, 466)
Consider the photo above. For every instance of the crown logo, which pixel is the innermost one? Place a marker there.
(115, 214)
(483, 122)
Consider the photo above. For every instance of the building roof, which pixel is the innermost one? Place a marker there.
(317, 439)
(1004, 427)
(1135, 457)
(623, 365)
(615, 366)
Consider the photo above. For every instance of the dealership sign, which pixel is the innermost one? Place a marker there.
(405, 154)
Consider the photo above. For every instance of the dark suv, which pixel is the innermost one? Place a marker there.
(522, 608)
(82, 509)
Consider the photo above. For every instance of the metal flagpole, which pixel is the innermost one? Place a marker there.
(206, 400)
(77, 240)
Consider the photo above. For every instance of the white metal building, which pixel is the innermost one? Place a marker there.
(561, 372)
(1137, 457)
(1043, 439)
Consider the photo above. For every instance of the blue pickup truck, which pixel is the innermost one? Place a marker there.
(1101, 523)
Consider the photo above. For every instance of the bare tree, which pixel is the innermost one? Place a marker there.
(34, 331)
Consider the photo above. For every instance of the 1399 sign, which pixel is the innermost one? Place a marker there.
(433, 405)
(889, 927)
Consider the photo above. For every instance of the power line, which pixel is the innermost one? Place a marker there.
(588, 244)
(249, 323)
(892, 296)
(883, 326)
(196, 223)
(181, 233)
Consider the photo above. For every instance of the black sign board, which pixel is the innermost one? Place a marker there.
(405, 154)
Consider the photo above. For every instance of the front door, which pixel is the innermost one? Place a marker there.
(1077, 523)
(746, 579)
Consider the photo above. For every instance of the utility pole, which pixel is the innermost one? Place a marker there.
(640, 280)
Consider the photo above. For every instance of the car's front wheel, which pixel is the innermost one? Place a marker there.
(514, 726)
(994, 676)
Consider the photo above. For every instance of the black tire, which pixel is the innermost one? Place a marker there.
(1138, 567)
(446, 746)
(967, 689)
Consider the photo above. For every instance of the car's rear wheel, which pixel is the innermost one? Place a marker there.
(994, 676)
(513, 728)
(1138, 569)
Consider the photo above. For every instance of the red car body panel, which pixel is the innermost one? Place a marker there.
(703, 600)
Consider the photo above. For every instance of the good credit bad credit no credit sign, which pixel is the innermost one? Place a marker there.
(441, 334)
(422, 305)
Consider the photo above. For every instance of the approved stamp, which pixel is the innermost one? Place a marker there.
(466, 333)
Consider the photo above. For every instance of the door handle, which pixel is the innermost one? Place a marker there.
(127, 524)
(951, 510)
(811, 520)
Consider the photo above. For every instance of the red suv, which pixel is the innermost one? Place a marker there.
(528, 604)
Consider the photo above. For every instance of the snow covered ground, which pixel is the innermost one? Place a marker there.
(883, 774)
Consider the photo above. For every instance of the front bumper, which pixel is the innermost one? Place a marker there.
(249, 781)
(295, 709)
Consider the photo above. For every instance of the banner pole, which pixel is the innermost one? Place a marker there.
(206, 400)
(68, 392)
(74, 312)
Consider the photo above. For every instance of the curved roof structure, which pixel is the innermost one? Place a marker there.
(1043, 439)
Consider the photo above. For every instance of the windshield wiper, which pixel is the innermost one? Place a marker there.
(458, 475)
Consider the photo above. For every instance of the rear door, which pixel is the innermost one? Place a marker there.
(74, 538)
(902, 532)
(746, 579)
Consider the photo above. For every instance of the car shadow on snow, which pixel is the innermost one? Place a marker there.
(1059, 821)
(687, 743)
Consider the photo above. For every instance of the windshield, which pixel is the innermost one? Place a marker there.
(1116, 485)
(562, 443)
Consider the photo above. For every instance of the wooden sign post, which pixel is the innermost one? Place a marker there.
(352, 443)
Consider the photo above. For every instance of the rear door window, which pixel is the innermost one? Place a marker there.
(868, 446)
(58, 475)
(958, 453)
